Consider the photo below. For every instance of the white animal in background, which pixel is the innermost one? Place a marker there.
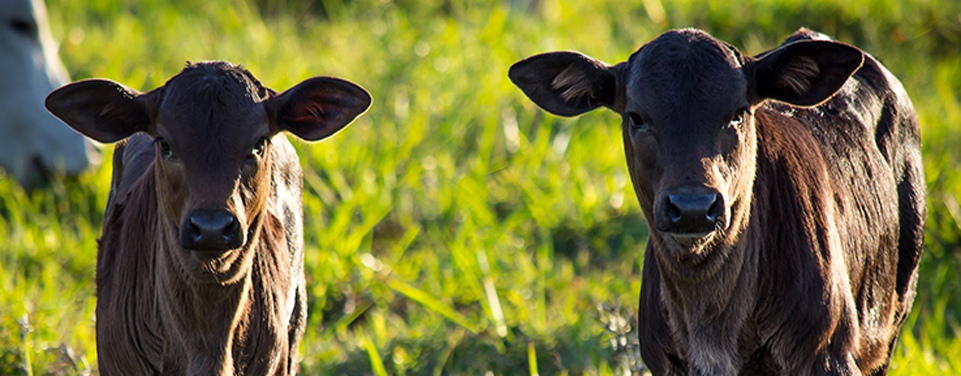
(32, 141)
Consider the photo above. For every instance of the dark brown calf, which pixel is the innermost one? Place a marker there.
(785, 198)
(200, 266)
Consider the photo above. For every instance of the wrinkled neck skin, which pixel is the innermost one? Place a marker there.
(709, 302)
(205, 311)
(707, 291)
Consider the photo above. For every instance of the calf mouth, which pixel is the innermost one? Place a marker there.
(691, 242)
(211, 255)
(692, 239)
(688, 249)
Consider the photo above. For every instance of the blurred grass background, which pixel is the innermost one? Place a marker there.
(456, 228)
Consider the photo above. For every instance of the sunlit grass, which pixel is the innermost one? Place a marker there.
(455, 228)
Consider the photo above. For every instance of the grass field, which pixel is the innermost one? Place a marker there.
(456, 228)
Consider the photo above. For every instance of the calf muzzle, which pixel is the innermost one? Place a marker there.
(686, 214)
(211, 230)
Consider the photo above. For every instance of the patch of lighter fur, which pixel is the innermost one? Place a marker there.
(840, 269)
(799, 74)
(708, 359)
(572, 83)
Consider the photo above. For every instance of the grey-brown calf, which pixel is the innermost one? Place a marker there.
(200, 266)
(785, 195)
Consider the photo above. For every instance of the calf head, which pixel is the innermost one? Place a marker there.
(687, 102)
(212, 124)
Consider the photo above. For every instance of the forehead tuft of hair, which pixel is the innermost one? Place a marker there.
(218, 80)
(685, 66)
(690, 49)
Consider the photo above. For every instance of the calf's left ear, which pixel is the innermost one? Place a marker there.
(567, 83)
(805, 73)
(318, 107)
(103, 110)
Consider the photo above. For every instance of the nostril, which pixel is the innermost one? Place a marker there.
(231, 229)
(673, 211)
(194, 231)
(714, 211)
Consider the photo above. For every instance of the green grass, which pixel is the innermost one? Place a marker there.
(456, 228)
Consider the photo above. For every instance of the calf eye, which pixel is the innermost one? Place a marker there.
(257, 152)
(260, 147)
(738, 117)
(165, 150)
(637, 123)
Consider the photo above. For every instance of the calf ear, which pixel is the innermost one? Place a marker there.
(805, 73)
(103, 110)
(319, 107)
(566, 83)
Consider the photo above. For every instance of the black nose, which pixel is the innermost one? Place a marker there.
(211, 230)
(694, 213)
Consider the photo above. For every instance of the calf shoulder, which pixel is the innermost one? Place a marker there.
(125, 264)
(805, 314)
(276, 316)
(287, 185)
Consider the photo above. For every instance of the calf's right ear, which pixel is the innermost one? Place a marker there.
(103, 110)
(805, 73)
(318, 107)
(567, 83)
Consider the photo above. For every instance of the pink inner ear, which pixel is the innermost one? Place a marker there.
(313, 119)
(320, 106)
(316, 114)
